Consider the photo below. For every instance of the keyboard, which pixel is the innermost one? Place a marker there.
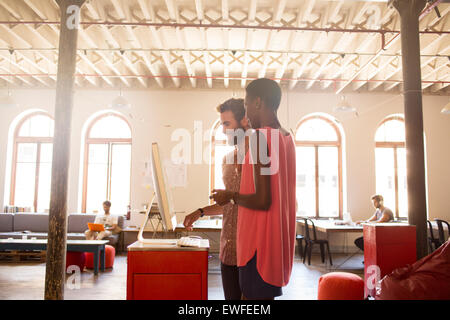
(189, 242)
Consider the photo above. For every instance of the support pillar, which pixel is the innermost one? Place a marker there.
(409, 11)
(57, 232)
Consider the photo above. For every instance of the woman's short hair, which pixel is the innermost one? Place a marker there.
(268, 90)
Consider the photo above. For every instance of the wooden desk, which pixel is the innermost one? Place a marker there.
(328, 226)
(207, 225)
(95, 246)
(204, 225)
(167, 272)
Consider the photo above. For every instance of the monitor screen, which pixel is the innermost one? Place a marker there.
(163, 197)
(162, 190)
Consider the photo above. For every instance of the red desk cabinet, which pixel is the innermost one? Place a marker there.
(167, 272)
(387, 246)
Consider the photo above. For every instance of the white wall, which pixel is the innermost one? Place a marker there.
(154, 110)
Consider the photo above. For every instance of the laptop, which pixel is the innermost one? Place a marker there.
(96, 227)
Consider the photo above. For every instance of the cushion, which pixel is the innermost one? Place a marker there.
(426, 279)
(36, 222)
(6, 222)
(340, 286)
(75, 258)
(77, 222)
(110, 254)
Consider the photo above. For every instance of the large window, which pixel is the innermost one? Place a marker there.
(219, 148)
(107, 164)
(390, 162)
(319, 167)
(32, 162)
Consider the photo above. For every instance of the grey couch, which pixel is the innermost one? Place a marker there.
(13, 225)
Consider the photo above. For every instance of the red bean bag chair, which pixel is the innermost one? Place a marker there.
(75, 258)
(110, 254)
(340, 286)
(426, 279)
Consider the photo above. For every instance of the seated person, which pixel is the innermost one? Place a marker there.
(109, 221)
(382, 214)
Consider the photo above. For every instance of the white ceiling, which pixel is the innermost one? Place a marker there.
(308, 45)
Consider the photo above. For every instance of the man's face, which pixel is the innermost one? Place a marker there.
(106, 207)
(229, 125)
(376, 203)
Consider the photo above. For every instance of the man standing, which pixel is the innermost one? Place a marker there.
(109, 221)
(234, 123)
(382, 214)
(266, 218)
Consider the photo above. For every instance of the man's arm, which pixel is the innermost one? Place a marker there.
(372, 218)
(114, 224)
(384, 218)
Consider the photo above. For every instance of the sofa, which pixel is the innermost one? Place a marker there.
(35, 225)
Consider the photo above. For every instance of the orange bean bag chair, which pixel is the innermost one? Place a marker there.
(110, 254)
(426, 279)
(75, 258)
(340, 286)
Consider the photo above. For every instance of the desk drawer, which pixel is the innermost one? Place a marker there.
(168, 261)
(167, 287)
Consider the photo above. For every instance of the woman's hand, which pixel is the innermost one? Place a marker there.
(221, 197)
(190, 219)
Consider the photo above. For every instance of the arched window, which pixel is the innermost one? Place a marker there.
(107, 164)
(390, 164)
(32, 162)
(319, 167)
(219, 148)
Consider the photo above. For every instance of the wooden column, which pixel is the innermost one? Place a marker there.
(57, 232)
(409, 11)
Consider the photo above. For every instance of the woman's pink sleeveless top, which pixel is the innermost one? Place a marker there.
(270, 233)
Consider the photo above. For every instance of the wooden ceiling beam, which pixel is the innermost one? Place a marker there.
(248, 41)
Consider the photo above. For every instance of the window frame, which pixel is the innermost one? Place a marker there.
(33, 139)
(316, 145)
(395, 145)
(108, 141)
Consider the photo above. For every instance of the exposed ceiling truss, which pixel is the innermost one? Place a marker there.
(333, 45)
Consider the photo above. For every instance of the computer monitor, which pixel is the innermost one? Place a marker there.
(162, 191)
(162, 195)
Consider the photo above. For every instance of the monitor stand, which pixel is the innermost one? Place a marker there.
(148, 215)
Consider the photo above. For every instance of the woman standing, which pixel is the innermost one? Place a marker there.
(266, 199)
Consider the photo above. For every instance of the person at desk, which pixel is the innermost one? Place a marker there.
(232, 118)
(109, 221)
(382, 214)
(266, 198)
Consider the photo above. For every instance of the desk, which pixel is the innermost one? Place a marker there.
(164, 271)
(95, 246)
(206, 225)
(387, 246)
(328, 226)
(202, 225)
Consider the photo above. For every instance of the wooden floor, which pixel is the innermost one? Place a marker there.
(26, 280)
